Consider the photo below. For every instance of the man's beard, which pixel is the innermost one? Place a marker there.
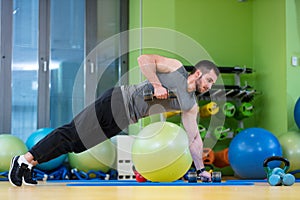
(198, 88)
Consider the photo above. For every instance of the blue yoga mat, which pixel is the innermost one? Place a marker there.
(148, 183)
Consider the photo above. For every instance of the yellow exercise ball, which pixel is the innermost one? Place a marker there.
(290, 143)
(160, 152)
(99, 158)
(10, 146)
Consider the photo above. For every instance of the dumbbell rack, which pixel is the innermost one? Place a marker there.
(244, 91)
(237, 93)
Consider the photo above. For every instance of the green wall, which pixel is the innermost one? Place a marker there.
(251, 33)
(269, 61)
(293, 49)
(223, 27)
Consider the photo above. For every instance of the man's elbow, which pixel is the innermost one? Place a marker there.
(144, 59)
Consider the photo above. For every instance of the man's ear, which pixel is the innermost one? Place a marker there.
(198, 73)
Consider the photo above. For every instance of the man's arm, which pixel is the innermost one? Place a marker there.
(151, 64)
(189, 120)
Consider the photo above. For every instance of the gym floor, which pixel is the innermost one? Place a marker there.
(61, 190)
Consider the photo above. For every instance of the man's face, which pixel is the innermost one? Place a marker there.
(205, 82)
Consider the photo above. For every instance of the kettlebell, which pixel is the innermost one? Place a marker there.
(278, 176)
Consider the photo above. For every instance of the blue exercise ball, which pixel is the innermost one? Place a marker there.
(34, 138)
(249, 149)
(297, 113)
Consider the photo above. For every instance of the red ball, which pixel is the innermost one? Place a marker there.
(138, 177)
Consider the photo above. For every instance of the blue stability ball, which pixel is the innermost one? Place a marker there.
(34, 138)
(297, 113)
(249, 149)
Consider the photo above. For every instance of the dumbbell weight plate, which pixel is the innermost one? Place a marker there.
(192, 177)
(148, 95)
(274, 180)
(171, 94)
(216, 177)
(229, 109)
(221, 132)
(288, 179)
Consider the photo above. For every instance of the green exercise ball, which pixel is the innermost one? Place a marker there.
(99, 158)
(290, 143)
(160, 152)
(10, 146)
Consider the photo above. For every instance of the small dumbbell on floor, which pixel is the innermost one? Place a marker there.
(216, 177)
(278, 176)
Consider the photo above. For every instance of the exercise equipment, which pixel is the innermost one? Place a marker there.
(34, 138)
(237, 130)
(290, 143)
(223, 69)
(297, 112)
(10, 146)
(192, 177)
(160, 152)
(208, 156)
(98, 158)
(209, 109)
(61, 173)
(278, 176)
(171, 113)
(157, 184)
(202, 131)
(138, 177)
(149, 95)
(221, 132)
(221, 158)
(216, 177)
(245, 93)
(249, 149)
(245, 110)
(4, 176)
(91, 174)
(235, 69)
(228, 109)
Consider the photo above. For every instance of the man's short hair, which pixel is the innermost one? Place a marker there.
(205, 66)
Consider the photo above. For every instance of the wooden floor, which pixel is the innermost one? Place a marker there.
(59, 191)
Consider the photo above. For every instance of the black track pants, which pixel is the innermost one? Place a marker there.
(103, 119)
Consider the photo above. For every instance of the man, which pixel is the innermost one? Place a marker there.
(121, 106)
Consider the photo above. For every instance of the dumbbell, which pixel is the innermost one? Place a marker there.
(221, 132)
(244, 111)
(216, 177)
(202, 131)
(192, 177)
(209, 109)
(229, 109)
(221, 158)
(208, 156)
(149, 95)
(278, 176)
